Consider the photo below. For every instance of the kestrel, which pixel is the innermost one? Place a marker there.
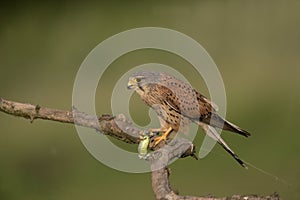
(177, 103)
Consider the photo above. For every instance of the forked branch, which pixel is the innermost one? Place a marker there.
(118, 127)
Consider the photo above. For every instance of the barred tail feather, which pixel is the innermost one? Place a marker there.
(211, 132)
(234, 128)
(216, 121)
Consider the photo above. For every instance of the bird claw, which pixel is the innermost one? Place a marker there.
(164, 136)
(158, 139)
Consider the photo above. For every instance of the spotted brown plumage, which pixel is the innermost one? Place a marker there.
(177, 103)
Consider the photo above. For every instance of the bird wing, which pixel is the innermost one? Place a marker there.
(183, 98)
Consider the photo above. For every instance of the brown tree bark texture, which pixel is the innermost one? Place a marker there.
(118, 127)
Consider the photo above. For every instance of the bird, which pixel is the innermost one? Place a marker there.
(177, 103)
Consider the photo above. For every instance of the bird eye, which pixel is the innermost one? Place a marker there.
(137, 80)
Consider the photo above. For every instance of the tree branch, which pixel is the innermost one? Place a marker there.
(106, 124)
(114, 126)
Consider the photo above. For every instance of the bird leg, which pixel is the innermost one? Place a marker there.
(164, 136)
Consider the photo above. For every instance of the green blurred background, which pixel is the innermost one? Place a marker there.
(255, 44)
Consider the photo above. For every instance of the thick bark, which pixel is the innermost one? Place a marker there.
(118, 127)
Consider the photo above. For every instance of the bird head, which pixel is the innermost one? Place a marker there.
(134, 82)
(139, 80)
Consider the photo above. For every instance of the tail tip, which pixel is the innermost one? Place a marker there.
(245, 166)
(246, 133)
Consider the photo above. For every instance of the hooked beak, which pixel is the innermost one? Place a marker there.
(131, 84)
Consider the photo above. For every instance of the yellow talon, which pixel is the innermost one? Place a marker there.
(164, 136)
